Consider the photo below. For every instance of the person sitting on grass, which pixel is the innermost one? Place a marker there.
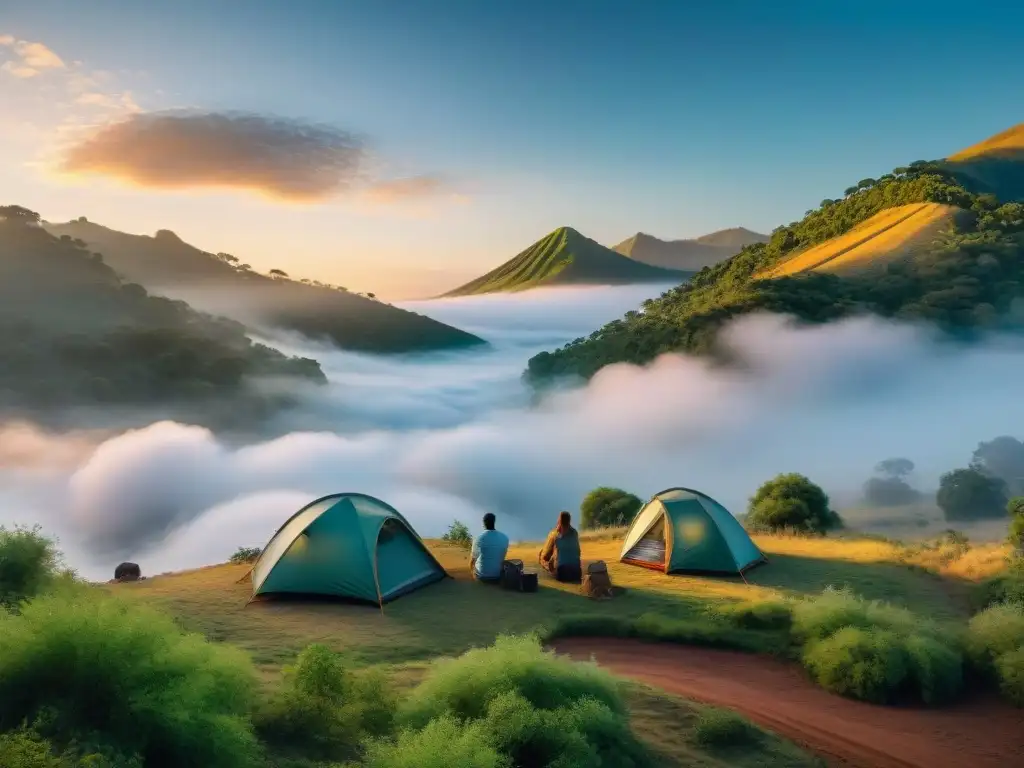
(561, 552)
(489, 550)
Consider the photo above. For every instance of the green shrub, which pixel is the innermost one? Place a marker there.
(326, 708)
(869, 665)
(791, 501)
(1010, 671)
(443, 743)
(604, 507)
(875, 651)
(997, 630)
(110, 675)
(1006, 587)
(766, 614)
(458, 535)
(29, 563)
(246, 555)
(23, 748)
(724, 728)
(539, 710)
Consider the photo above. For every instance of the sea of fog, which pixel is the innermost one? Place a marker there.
(453, 435)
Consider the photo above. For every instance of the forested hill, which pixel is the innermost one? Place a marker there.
(222, 284)
(566, 257)
(970, 277)
(73, 333)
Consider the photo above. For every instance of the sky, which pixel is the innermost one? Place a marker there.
(403, 147)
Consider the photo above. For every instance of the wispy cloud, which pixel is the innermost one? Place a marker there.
(283, 158)
(30, 59)
(410, 188)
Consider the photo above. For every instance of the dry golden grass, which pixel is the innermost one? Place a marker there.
(458, 613)
(1012, 139)
(894, 233)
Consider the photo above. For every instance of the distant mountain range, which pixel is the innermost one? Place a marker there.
(688, 255)
(219, 283)
(566, 257)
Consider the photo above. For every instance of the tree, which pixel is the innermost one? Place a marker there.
(849, 191)
(278, 273)
(1002, 457)
(371, 295)
(791, 502)
(16, 214)
(606, 506)
(865, 183)
(1015, 509)
(228, 258)
(895, 467)
(970, 494)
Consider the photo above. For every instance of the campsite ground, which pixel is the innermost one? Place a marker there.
(458, 614)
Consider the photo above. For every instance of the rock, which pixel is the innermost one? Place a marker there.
(127, 572)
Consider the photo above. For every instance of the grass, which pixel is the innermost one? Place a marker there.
(1006, 141)
(890, 234)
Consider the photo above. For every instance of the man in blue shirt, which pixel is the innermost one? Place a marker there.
(489, 550)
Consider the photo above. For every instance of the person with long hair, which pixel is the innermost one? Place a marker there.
(561, 553)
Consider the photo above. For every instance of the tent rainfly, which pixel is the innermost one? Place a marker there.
(682, 530)
(346, 545)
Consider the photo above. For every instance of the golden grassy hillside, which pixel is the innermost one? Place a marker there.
(894, 233)
(1010, 140)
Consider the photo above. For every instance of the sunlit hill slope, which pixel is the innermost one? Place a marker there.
(889, 235)
(995, 165)
(565, 257)
(219, 283)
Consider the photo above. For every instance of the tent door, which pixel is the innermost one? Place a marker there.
(651, 548)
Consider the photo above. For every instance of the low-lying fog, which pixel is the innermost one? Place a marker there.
(454, 435)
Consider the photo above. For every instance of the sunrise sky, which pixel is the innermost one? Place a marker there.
(403, 147)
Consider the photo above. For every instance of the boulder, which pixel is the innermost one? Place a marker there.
(127, 572)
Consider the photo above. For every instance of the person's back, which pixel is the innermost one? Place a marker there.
(561, 552)
(489, 550)
(567, 549)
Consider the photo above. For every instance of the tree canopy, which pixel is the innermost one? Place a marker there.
(791, 502)
(606, 506)
(970, 494)
(1002, 457)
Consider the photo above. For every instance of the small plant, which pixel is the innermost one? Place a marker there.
(723, 728)
(246, 555)
(458, 535)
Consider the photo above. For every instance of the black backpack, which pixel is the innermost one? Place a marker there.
(512, 574)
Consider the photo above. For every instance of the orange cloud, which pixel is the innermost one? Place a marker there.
(400, 190)
(32, 58)
(281, 158)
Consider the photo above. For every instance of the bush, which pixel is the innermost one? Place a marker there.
(791, 502)
(443, 743)
(604, 507)
(722, 728)
(326, 708)
(246, 555)
(875, 651)
(767, 614)
(109, 675)
(25, 748)
(458, 534)
(1010, 671)
(1015, 509)
(539, 710)
(864, 664)
(29, 563)
(997, 630)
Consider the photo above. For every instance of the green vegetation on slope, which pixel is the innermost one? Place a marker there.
(565, 257)
(968, 280)
(219, 283)
(72, 332)
(688, 255)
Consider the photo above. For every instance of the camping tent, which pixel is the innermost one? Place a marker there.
(685, 530)
(346, 545)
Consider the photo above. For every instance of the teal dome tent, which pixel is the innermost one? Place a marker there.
(682, 530)
(346, 545)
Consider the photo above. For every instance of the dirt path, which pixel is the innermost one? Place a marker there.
(974, 734)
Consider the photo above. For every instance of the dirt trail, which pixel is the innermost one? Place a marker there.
(974, 734)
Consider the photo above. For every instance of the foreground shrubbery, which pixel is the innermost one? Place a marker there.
(530, 706)
(29, 564)
(995, 645)
(107, 676)
(874, 651)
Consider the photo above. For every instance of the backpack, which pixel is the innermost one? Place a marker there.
(597, 583)
(512, 574)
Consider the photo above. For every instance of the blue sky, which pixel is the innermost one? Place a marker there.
(667, 117)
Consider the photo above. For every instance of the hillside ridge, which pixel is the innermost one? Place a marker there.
(688, 254)
(565, 257)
